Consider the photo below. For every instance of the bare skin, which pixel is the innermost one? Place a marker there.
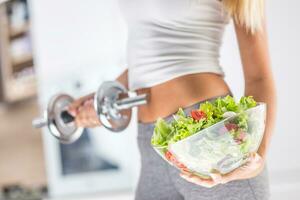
(184, 91)
(167, 97)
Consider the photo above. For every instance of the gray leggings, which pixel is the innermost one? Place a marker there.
(161, 181)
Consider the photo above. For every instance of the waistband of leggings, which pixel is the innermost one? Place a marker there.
(185, 109)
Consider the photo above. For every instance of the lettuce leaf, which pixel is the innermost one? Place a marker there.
(162, 132)
(184, 125)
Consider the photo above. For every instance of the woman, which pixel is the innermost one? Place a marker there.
(173, 56)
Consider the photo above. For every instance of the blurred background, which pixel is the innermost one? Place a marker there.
(72, 46)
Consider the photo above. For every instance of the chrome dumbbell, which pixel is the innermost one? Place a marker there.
(112, 102)
(58, 120)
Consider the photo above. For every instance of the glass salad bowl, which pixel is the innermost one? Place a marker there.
(222, 147)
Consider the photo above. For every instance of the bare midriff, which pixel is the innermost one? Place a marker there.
(165, 99)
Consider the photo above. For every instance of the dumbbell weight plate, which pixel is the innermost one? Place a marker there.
(111, 118)
(64, 132)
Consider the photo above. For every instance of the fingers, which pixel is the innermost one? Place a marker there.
(257, 158)
(73, 107)
(255, 162)
(86, 116)
(217, 177)
(199, 181)
(250, 169)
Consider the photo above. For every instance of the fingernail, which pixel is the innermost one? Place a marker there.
(183, 176)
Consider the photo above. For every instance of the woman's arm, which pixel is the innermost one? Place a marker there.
(258, 76)
(259, 83)
(123, 78)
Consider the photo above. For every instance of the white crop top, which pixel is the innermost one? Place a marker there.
(171, 38)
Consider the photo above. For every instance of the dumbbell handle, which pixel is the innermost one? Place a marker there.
(42, 121)
(39, 122)
(130, 102)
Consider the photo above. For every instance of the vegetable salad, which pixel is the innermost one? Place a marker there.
(218, 136)
(208, 114)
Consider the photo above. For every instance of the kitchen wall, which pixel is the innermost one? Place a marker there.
(72, 36)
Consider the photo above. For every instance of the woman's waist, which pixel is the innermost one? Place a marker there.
(165, 99)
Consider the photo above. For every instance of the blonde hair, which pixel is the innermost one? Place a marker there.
(248, 13)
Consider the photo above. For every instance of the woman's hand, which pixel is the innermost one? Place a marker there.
(84, 112)
(252, 168)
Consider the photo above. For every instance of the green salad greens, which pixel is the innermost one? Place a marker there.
(209, 113)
